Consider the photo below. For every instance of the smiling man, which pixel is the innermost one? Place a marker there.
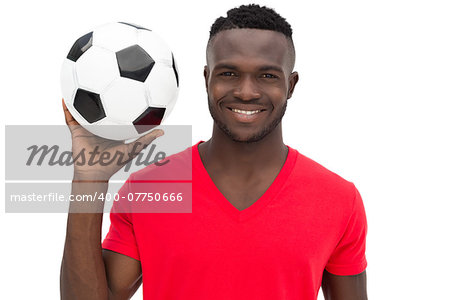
(266, 222)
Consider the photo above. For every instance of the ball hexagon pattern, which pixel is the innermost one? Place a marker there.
(120, 80)
(96, 69)
(115, 36)
(121, 90)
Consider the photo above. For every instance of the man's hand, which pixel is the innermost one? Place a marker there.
(117, 152)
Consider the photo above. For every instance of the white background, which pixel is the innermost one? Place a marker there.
(372, 105)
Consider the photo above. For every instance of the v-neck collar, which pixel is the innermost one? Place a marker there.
(269, 194)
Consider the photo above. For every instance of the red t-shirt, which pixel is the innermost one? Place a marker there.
(308, 220)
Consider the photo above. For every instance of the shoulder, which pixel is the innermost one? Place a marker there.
(315, 179)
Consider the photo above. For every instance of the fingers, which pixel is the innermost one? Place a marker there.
(69, 118)
(137, 146)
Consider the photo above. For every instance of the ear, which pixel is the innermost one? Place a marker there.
(206, 75)
(293, 79)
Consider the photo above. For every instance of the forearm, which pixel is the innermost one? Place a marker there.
(351, 287)
(83, 273)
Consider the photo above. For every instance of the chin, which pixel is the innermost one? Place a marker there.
(247, 139)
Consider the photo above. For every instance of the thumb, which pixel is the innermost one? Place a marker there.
(137, 146)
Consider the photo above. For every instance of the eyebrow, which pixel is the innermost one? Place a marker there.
(271, 68)
(225, 66)
(263, 68)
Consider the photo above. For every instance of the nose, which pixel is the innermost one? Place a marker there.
(247, 89)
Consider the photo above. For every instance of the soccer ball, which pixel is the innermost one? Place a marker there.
(120, 74)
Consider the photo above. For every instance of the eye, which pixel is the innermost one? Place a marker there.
(227, 74)
(268, 75)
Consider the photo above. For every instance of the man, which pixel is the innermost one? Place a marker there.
(266, 221)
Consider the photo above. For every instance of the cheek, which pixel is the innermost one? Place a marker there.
(217, 91)
(278, 95)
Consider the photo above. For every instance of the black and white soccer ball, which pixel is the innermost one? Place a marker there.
(120, 74)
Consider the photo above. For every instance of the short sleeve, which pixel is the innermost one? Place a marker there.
(349, 256)
(121, 238)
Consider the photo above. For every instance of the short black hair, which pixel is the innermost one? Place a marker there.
(252, 16)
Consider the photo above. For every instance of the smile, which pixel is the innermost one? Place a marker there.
(246, 116)
(245, 112)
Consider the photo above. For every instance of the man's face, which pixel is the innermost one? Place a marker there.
(248, 79)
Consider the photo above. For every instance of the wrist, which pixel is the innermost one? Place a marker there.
(92, 177)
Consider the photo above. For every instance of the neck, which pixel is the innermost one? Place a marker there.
(222, 153)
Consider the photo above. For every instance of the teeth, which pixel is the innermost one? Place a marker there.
(246, 112)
